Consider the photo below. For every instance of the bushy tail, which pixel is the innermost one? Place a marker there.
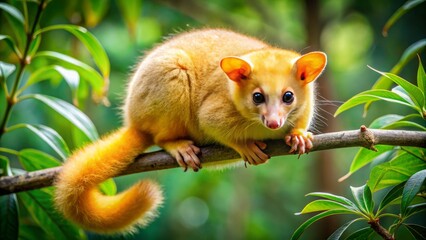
(79, 199)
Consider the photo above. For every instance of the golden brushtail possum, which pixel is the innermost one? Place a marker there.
(200, 87)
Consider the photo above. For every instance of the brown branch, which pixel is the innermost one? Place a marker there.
(209, 154)
(379, 229)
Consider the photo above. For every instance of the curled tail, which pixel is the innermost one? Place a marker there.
(77, 195)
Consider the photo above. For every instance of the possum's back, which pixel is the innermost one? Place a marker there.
(209, 46)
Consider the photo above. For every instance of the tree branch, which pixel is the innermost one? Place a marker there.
(379, 229)
(161, 160)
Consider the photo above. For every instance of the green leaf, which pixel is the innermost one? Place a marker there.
(399, 13)
(9, 224)
(324, 205)
(421, 78)
(333, 197)
(412, 51)
(398, 170)
(405, 125)
(35, 43)
(90, 42)
(45, 73)
(412, 116)
(71, 77)
(4, 166)
(411, 188)
(363, 199)
(48, 136)
(9, 41)
(108, 187)
(33, 160)
(12, 11)
(70, 113)
(40, 206)
(371, 96)
(6, 69)
(385, 120)
(364, 156)
(27, 231)
(401, 92)
(83, 93)
(417, 152)
(339, 232)
(79, 139)
(299, 231)
(394, 121)
(418, 231)
(16, 21)
(391, 196)
(409, 53)
(416, 95)
(413, 209)
(86, 72)
(362, 234)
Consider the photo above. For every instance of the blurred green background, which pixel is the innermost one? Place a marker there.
(244, 203)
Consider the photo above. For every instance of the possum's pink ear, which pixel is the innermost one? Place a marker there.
(235, 68)
(310, 66)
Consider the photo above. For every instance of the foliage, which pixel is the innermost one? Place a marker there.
(30, 68)
(364, 209)
(401, 170)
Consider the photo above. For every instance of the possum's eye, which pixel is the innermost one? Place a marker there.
(288, 97)
(258, 98)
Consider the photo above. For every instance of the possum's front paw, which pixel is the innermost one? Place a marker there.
(252, 152)
(185, 153)
(300, 141)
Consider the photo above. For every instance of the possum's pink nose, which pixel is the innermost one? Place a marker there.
(273, 124)
(273, 119)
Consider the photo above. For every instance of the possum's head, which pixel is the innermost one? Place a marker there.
(270, 85)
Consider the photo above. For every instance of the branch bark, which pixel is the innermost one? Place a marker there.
(161, 160)
(379, 229)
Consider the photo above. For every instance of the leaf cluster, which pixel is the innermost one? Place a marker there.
(364, 209)
(400, 170)
(17, 81)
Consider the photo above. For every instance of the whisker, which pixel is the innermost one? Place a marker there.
(323, 110)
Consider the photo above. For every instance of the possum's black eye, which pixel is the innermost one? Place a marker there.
(288, 97)
(258, 98)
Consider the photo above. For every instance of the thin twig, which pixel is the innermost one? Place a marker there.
(212, 154)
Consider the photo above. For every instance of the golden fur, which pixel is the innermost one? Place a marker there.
(196, 88)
